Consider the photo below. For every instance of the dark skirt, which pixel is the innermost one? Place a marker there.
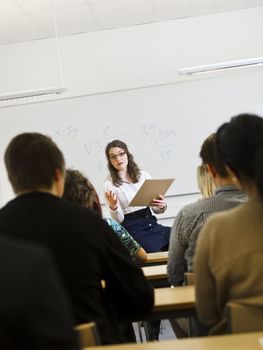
(143, 227)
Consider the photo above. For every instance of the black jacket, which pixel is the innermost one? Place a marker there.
(34, 310)
(86, 251)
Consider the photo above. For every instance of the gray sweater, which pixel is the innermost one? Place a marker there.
(188, 224)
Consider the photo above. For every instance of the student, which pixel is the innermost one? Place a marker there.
(229, 261)
(34, 309)
(78, 189)
(83, 246)
(123, 182)
(192, 217)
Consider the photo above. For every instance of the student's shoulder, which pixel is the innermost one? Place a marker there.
(195, 208)
(19, 250)
(220, 222)
(81, 217)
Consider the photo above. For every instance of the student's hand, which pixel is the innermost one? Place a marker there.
(112, 200)
(159, 202)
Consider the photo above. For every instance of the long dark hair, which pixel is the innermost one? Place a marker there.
(239, 142)
(132, 168)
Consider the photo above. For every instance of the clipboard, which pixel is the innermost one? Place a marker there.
(149, 190)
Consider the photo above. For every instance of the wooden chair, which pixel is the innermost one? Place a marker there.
(244, 318)
(88, 334)
(189, 278)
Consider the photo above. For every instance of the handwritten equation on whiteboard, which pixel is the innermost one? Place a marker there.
(159, 141)
(155, 141)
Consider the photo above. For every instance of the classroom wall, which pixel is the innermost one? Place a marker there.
(129, 58)
(134, 56)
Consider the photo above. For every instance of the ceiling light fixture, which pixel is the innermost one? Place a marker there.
(32, 93)
(217, 67)
(53, 90)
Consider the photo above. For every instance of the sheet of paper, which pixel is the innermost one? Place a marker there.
(149, 190)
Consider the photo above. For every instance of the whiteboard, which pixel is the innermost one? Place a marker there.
(163, 126)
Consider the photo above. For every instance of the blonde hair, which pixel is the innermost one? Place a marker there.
(205, 182)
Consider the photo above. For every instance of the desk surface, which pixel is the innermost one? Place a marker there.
(159, 257)
(155, 272)
(171, 303)
(246, 341)
(174, 298)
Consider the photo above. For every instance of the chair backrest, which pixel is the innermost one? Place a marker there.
(244, 318)
(88, 334)
(189, 278)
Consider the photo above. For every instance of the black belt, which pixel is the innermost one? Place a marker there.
(142, 213)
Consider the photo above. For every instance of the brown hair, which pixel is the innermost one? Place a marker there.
(209, 155)
(31, 161)
(78, 189)
(132, 168)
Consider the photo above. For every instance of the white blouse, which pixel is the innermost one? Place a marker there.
(125, 194)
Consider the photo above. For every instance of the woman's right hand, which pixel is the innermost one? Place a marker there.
(112, 200)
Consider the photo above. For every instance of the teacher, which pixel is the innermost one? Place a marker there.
(122, 184)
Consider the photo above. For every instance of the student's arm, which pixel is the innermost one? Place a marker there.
(141, 256)
(206, 298)
(176, 266)
(49, 318)
(133, 247)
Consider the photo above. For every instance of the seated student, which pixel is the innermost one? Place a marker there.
(192, 217)
(34, 309)
(229, 261)
(83, 246)
(78, 189)
(181, 326)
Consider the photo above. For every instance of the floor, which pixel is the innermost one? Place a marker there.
(166, 331)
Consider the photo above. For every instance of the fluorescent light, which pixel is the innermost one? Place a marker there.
(32, 93)
(215, 67)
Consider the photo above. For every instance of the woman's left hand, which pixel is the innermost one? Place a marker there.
(159, 202)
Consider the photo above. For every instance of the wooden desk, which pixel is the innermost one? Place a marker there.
(245, 341)
(156, 275)
(172, 303)
(157, 258)
(156, 272)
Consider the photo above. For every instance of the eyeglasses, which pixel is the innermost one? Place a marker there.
(115, 156)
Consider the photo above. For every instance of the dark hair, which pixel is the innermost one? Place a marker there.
(209, 155)
(259, 172)
(238, 143)
(132, 168)
(31, 161)
(78, 189)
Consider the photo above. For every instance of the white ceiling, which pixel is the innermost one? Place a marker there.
(23, 20)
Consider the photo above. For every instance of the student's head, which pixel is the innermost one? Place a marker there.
(119, 158)
(79, 190)
(210, 157)
(204, 181)
(34, 163)
(238, 143)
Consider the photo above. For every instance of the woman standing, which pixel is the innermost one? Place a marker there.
(123, 182)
